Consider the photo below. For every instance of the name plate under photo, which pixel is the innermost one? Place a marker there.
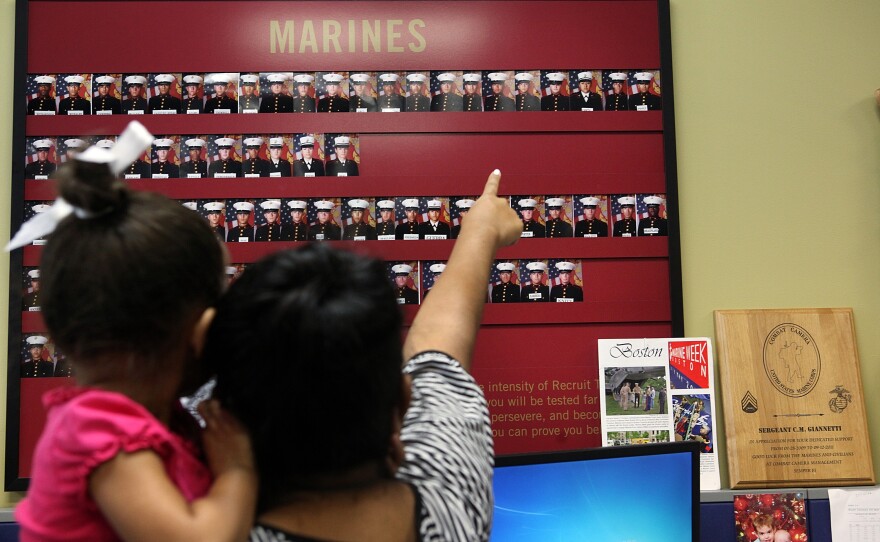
(794, 408)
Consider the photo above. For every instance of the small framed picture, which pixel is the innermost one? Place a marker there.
(309, 155)
(591, 215)
(417, 92)
(224, 156)
(410, 211)
(343, 156)
(498, 91)
(431, 272)
(276, 95)
(107, 94)
(325, 217)
(405, 276)
(165, 157)
(41, 98)
(531, 212)
(164, 94)
(385, 220)
(134, 92)
(623, 213)
(332, 89)
(193, 93)
(651, 210)
(558, 217)
(30, 292)
(391, 93)
(586, 90)
(74, 94)
(41, 158)
(267, 220)
(221, 93)
(555, 90)
(446, 88)
(294, 219)
(776, 517)
(459, 206)
(504, 282)
(249, 87)
(535, 281)
(304, 98)
(214, 213)
(528, 91)
(240, 217)
(358, 219)
(363, 96)
(566, 280)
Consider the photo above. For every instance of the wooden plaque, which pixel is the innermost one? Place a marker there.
(794, 409)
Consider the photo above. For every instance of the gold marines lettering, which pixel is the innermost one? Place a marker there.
(293, 36)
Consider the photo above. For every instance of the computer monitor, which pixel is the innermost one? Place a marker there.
(642, 493)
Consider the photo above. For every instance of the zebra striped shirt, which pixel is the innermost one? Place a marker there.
(449, 455)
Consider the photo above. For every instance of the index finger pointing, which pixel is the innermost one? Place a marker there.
(491, 188)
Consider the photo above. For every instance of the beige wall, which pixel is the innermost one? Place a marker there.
(778, 155)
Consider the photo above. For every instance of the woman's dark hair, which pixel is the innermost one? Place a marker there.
(127, 283)
(307, 349)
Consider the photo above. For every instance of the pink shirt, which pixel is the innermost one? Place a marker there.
(84, 428)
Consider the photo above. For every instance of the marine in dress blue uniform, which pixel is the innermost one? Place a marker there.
(566, 290)
(390, 100)
(497, 101)
(298, 229)
(358, 230)
(253, 164)
(536, 291)
(417, 101)
(277, 101)
(626, 226)
(162, 166)
(405, 294)
(341, 166)
(644, 100)
(192, 102)
(73, 102)
(103, 101)
(42, 166)
(221, 101)
(243, 232)
(555, 101)
(506, 292)
(584, 99)
(195, 165)
(472, 100)
(654, 225)
(525, 98)
(531, 227)
(464, 207)
(590, 226)
(135, 100)
(226, 164)
(303, 102)
(271, 230)
(447, 100)
(556, 227)
(307, 166)
(44, 101)
(324, 229)
(164, 101)
(334, 102)
(617, 101)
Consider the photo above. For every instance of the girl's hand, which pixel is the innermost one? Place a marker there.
(226, 442)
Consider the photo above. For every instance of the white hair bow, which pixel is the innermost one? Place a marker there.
(131, 144)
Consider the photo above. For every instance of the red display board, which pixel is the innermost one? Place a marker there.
(537, 362)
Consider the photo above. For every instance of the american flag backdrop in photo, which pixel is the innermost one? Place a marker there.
(495, 277)
(259, 213)
(564, 89)
(50, 353)
(286, 219)
(428, 276)
(32, 87)
(553, 273)
(173, 152)
(232, 218)
(335, 213)
(200, 90)
(368, 217)
(153, 87)
(184, 150)
(524, 272)
(330, 147)
(595, 84)
(31, 155)
(615, 206)
(265, 88)
(412, 280)
(642, 207)
(224, 213)
(115, 86)
(321, 85)
(317, 154)
(456, 85)
(425, 87)
(508, 85)
(454, 211)
(371, 88)
(400, 209)
(538, 215)
(84, 88)
(214, 151)
(601, 209)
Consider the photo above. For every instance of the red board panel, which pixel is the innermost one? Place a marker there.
(239, 36)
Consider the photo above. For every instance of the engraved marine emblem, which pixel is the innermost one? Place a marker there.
(749, 404)
(791, 360)
(841, 401)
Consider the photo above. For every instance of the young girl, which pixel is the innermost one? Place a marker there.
(129, 279)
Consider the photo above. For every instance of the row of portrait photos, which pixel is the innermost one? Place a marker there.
(335, 92)
(553, 280)
(242, 220)
(220, 155)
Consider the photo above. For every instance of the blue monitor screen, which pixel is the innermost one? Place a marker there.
(640, 498)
